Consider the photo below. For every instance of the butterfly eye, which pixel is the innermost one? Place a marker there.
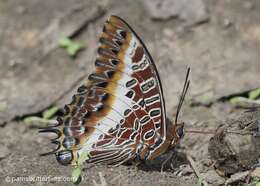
(180, 132)
(64, 157)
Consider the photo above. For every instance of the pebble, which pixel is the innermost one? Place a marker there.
(213, 178)
(4, 151)
(192, 11)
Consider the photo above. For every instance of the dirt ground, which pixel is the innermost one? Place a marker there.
(222, 51)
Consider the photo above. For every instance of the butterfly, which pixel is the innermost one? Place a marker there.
(119, 114)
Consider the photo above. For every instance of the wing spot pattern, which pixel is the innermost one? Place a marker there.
(131, 83)
(145, 119)
(127, 112)
(130, 94)
(149, 101)
(149, 134)
(148, 85)
(155, 112)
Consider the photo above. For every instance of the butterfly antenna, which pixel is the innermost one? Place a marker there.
(183, 94)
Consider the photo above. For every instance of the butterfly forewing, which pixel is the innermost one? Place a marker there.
(119, 114)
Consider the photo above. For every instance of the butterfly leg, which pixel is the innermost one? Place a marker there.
(166, 161)
(136, 162)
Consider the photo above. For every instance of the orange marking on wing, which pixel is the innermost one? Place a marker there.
(115, 21)
(109, 38)
(111, 29)
(111, 88)
(110, 32)
(124, 47)
(119, 66)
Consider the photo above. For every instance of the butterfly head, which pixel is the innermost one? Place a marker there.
(178, 133)
(179, 130)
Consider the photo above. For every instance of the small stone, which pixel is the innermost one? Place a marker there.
(4, 152)
(227, 23)
(3, 105)
(21, 10)
(184, 170)
(248, 5)
(207, 162)
(240, 176)
(192, 11)
(213, 178)
(168, 32)
(239, 152)
(256, 172)
(24, 170)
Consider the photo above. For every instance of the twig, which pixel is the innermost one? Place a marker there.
(240, 132)
(237, 177)
(102, 179)
(246, 100)
(200, 131)
(194, 167)
(116, 178)
(197, 131)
